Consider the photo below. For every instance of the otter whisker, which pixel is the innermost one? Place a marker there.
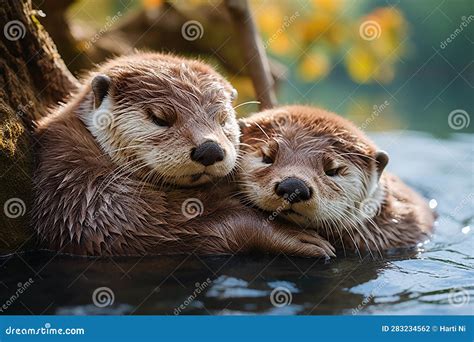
(370, 221)
(246, 103)
(339, 233)
(363, 227)
(244, 144)
(112, 176)
(337, 222)
(117, 150)
(356, 245)
(340, 221)
(261, 129)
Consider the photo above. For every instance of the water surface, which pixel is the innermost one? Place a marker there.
(437, 278)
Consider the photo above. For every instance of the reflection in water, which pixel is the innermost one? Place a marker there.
(435, 279)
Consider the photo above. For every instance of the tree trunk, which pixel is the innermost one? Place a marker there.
(33, 78)
(255, 57)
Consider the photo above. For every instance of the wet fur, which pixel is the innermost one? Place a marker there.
(304, 142)
(100, 191)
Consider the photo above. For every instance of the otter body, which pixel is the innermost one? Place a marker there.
(321, 172)
(109, 164)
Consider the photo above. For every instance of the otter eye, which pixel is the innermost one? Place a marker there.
(160, 122)
(334, 171)
(267, 159)
(222, 119)
(156, 120)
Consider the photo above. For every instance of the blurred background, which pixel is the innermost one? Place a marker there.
(402, 70)
(387, 65)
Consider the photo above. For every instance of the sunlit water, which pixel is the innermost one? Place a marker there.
(438, 278)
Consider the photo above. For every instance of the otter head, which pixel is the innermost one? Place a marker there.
(310, 166)
(164, 118)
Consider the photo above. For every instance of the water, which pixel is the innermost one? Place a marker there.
(438, 278)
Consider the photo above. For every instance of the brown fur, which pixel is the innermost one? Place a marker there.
(306, 142)
(94, 197)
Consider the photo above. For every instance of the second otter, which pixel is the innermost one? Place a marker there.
(318, 170)
(109, 164)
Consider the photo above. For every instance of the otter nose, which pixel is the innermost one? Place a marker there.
(207, 153)
(293, 190)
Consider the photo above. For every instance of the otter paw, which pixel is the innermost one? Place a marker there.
(313, 245)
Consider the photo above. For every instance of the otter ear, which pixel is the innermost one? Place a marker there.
(381, 158)
(233, 94)
(100, 87)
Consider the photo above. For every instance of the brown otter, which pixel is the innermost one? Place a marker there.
(318, 170)
(110, 160)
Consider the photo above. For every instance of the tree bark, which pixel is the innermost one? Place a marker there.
(33, 78)
(255, 58)
(160, 29)
(56, 23)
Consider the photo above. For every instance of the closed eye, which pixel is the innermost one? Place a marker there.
(223, 121)
(222, 118)
(160, 122)
(157, 120)
(267, 159)
(335, 171)
(269, 152)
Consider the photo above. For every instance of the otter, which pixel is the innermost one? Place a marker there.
(123, 162)
(320, 171)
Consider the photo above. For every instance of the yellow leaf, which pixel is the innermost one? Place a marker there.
(316, 27)
(314, 66)
(329, 5)
(270, 19)
(150, 4)
(336, 35)
(279, 44)
(361, 64)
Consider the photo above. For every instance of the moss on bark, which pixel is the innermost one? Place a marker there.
(32, 79)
